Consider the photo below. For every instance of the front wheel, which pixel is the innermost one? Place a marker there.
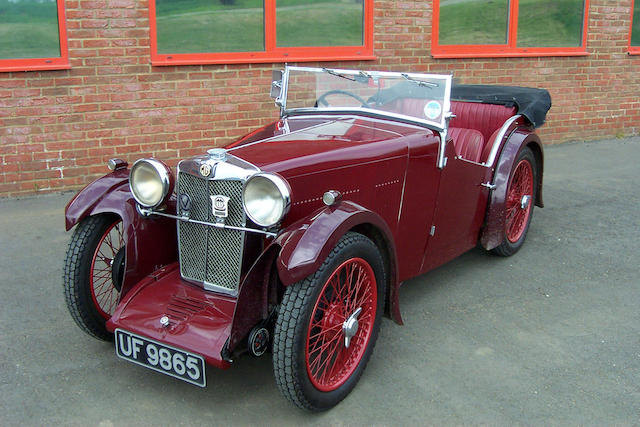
(327, 325)
(521, 196)
(93, 272)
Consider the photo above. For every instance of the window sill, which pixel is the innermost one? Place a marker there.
(320, 54)
(13, 65)
(521, 53)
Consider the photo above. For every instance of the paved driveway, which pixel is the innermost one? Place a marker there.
(549, 336)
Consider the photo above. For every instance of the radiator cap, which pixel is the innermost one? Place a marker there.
(219, 154)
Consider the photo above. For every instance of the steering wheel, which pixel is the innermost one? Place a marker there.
(323, 101)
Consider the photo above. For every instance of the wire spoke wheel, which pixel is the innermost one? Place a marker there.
(519, 201)
(329, 361)
(327, 325)
(105, 292)
(93, 272)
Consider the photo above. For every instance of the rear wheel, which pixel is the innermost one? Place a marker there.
(93, 272)
(328, 324)
(521, 195)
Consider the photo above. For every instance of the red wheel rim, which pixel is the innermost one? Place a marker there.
(103, 291)
(519, 201)
(351, 286)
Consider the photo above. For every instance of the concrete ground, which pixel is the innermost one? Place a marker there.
(549, 336)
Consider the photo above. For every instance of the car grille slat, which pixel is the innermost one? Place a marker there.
(210, 255)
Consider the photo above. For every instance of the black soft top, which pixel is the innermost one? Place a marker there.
(532, 103)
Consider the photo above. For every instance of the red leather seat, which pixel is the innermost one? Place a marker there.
(475, 124)
(467, 142)
(486, 118)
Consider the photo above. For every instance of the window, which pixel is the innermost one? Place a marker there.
(32, 35)
(634, 32)
(494, 28)
(244, 31)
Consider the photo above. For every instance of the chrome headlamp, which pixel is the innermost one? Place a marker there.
(266, 198)
(150, 182)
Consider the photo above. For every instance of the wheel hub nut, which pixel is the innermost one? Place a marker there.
(350, 327)
(524, 203)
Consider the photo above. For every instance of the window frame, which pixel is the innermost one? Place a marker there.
(271, 53)
(633, 50)
(35, 64)
(510, 49)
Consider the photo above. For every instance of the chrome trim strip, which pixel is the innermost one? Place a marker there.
(496, 143)
(147, 212)
(364, 111)
(443, 142)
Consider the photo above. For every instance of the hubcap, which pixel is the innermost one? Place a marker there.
(350, 327)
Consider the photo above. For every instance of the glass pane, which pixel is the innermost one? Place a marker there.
(419, 97)
(550, 23)
(29, 29)
(635, 31)
(205, 26)
(319, 22)
(473, 21)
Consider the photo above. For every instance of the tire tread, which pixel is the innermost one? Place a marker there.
(289, 329)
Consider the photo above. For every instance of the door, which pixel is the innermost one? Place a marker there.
(460, 210)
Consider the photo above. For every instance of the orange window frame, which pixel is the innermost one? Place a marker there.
(271, 53)
(510, 49)
(633, 50)
(34, 64)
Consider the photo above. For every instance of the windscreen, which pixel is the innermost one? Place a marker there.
(420, 98)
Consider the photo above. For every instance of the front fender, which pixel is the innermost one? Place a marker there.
(84, 202)
(307, 243)
(151, 242)
(493, 232)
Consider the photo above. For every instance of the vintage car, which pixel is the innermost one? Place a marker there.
(296, 238)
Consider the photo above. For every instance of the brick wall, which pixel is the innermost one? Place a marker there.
(58, 128)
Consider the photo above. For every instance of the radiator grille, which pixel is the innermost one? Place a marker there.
(211, 255)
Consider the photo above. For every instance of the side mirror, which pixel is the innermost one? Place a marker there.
(276, 84)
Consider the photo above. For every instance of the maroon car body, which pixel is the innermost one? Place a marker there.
(420, 199)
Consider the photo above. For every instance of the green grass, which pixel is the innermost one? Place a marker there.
(328, 23)
(28, 29)
(196, 26)
(213, 28)
(473, 22)
(635, 32)
(541, 23)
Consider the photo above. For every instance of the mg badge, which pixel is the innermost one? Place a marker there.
(220, 206)
(205, 169)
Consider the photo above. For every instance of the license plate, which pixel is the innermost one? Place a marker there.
(160, 357)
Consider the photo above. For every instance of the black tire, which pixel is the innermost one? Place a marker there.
(513, 240)
(316, 296)
(88, 307)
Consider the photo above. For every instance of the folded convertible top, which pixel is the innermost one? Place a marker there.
(531, 102)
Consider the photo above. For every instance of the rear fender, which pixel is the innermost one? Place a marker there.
(307, 243)
(151, 242)
(493, 232)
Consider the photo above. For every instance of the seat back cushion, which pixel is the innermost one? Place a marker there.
(467, 142)
(483, 117)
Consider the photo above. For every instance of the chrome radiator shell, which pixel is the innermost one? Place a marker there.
(208, 255)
